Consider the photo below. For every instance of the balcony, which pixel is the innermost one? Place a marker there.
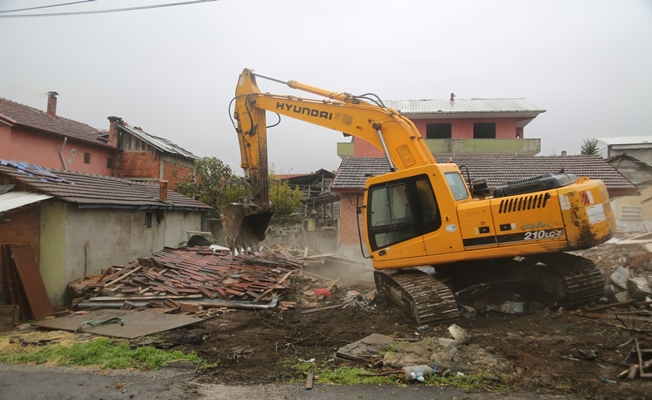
(484, 147)
(468, 147)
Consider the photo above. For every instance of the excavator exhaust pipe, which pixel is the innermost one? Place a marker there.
(245, 224)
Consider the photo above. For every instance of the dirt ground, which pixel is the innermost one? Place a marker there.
(548, 352)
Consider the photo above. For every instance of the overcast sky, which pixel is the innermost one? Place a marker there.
(173, 71)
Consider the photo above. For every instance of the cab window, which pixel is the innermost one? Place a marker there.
(457, 185)
(401, 210)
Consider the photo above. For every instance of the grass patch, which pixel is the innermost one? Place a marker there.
(102, 352)
(480, 381)
(327, 373)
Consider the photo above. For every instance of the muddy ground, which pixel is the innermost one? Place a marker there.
(547, 352)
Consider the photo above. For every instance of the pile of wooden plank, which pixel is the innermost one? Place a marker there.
(192, 274)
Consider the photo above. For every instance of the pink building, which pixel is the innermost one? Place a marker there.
(49, 140)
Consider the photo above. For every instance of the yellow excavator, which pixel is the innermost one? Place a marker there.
(425, 213)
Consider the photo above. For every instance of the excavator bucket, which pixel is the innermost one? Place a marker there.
(244, 224)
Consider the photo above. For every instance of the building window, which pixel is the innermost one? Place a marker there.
(109, 163)
(87, 158)
(484, 130)
(439, 131)
(148, 220)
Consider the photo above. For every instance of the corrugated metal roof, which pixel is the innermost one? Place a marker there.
(626, 139)
(16, 113)
(96, 191)
(497, 170)
(13, 200)
(464, 106)
(161, 144)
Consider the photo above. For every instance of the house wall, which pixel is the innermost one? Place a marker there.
(139, 164)
(53, 249)
(22, 226)
(348, 223)
(19, 226)
(78, 242)
(463, 128)
(460, 129)
(44, 150)
(175, 170)
(154, 165)
(634, 201)
(5, 141)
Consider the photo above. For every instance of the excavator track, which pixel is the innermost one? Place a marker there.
(570, 281)
(582, 280)
(421, 296)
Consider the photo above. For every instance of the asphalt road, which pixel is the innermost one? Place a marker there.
(59, 383)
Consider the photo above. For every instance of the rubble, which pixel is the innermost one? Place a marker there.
(181, 277)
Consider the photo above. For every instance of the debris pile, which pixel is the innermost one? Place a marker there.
(196, 274)
(627, 269)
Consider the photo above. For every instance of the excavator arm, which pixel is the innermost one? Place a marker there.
(361, 116)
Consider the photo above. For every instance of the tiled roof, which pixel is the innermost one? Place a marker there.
(353, 172)
(18, 114)
(464, 106)
(161, 144)
(95, 191)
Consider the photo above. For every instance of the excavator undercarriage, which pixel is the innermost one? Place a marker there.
(567, 280)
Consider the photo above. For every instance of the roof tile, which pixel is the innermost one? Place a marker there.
(16, 113)
(89, 190)
(353, 172)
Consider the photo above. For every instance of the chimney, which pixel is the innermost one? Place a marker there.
(113, 130)
(452, 96)
(52, 104)
(163, 190)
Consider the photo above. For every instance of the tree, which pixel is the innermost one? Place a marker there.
(211, 184)
(590, 147)
(215, 184)
(285, 199)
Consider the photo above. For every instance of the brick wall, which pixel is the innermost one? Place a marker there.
(348, 219)
(22, 226)
(174, 173)
(138, 165)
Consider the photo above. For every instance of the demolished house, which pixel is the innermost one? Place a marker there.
(75, 224)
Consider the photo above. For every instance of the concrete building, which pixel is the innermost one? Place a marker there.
(458, 127)
(639, 147)
(634, 212)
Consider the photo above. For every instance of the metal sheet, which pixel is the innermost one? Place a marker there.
(136, 323)
(12, 200)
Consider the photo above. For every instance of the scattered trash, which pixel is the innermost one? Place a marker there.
(459, 334)
(417, 372)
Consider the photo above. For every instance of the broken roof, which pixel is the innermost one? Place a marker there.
(16, 114)
(354, 171)
(159, 143)
(96, 191)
